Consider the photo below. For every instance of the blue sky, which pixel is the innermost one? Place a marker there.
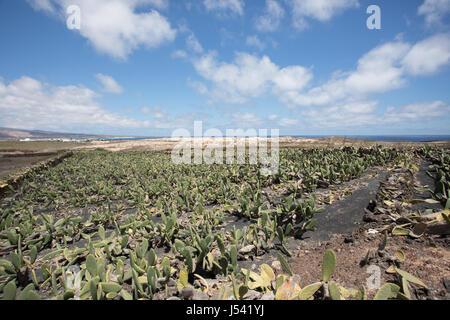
(148, 67)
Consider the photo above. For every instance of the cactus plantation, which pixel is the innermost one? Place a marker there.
(106, 225)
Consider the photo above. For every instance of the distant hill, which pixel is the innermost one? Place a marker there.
(18, 134)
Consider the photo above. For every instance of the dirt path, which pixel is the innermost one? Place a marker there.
(9, 164)
(341, 227)
(428, 257)
(343, 216)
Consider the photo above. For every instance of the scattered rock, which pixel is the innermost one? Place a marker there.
(200, 296)
(349, 240)
(172, 283)
(268, 296)
(446, 283)
(276, 265)
(187, 293)
(253, 295)
(369, 217)
(248, 249)
(296, 278)
(372, 205)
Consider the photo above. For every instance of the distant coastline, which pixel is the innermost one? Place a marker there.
(380, 138)
(386, 138)
(39, 135)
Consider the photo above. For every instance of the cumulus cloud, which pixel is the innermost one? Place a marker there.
(116, 27)
(322, 10)
(179, 54)
(254, 41)
(364, 113)
(29, 103)
(429, 55)
(417, 112)
(155, 112)
(248, 76)
(382, 69)
(193, 44)
(270, 20)
(109, 84)
(345, 99)
(247, 120)
(434, 11)
(288, 122)
(235, 6)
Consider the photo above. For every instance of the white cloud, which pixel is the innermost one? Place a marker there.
(115, 27)
(155, 112)
(292, 78)
(160, 4)
(270, 20)
(198, 86)
(378, 71)
(345, 99)
(179, 54)
(109, 84)
(434, 11)
(45, 5)
(429, 55)
(364, 113)
(29, 103)
(235, 6)
(384, 68)
(322, 10)
(254, 41)
(247, 120)
(288, 122)
(193, 44)
(248, 76)
(417, 112)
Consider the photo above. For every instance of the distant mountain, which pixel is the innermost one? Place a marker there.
(19, 134)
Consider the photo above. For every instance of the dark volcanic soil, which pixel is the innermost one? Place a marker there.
(10, 164)
(344, 216)
(428, 257)
(343, 228)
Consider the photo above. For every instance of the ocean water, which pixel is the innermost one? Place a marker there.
(387, 138)
(131, 138)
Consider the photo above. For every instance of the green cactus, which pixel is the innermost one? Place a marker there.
(308, 292)
(334, 291)
(152, 258)
(28, 293)
(387, 291)
(328, 265)
(91, 265)
(9, 291)
(108, 287)
(285, 264)
(151, 279)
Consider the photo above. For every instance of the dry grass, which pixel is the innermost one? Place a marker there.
(7, 146)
